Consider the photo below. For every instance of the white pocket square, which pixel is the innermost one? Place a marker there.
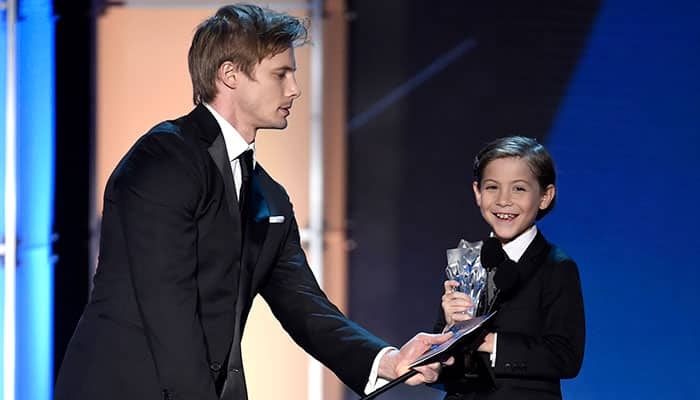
(276, 219)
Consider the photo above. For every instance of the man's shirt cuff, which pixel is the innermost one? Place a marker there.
(375, 382)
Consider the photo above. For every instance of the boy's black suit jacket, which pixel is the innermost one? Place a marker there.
(541, 334)
(178, 269)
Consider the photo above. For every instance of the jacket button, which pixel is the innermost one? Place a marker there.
(215, 366)
(234, 370)
(507, 366)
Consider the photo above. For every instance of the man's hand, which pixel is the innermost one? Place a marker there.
(455, 304)
(395, 362)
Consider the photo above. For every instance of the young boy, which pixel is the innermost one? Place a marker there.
(537, 337)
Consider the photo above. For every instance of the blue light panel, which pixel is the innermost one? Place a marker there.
(35, 175)
(3, 77)
(626, 146)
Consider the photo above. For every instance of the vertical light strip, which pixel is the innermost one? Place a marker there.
(10, 206)
(35, 85)
(316, 228)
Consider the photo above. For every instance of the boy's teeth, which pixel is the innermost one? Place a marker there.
(505, 216)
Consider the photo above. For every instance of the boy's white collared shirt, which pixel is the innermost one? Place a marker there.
(516, 247)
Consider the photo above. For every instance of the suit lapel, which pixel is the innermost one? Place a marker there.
(212, 138)
(254, 223)
(274, 206)
(257, 219)
(255, 228)
(218, 153)
(533, 258)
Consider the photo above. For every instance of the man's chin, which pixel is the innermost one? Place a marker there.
(278, 125)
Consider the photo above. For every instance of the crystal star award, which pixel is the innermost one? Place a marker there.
(464, 266)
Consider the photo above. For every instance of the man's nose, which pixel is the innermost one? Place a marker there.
(293, 90)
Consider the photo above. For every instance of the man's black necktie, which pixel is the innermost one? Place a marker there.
(246, 162)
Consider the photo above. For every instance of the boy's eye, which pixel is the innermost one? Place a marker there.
(490, 187)
(520, 189)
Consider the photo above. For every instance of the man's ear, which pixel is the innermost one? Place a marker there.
(477, 193)
(547, 196)
(228, 74)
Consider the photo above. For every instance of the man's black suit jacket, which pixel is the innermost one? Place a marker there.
(541, 334)
(178, 270)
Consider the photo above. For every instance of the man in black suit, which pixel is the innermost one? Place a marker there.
(193, 228)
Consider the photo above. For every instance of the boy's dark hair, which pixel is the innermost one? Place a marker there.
(244, 34)
(536, 156)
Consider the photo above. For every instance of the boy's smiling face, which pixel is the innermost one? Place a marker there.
(509, 197)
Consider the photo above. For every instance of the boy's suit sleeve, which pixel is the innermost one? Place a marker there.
(557, 353)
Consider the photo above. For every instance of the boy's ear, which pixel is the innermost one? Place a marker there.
(477, 193)
(547, 196)
(228, 73)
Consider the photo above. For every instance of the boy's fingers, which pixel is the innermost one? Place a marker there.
(459, 317)
(449, 361)
(450, 286)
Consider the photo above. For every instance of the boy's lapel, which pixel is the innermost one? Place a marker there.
(533, 257)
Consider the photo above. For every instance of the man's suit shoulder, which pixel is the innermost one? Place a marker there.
(180, 133)
(166, 139)
(164, 164)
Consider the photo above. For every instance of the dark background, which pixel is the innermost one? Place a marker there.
(610, 87)
(410, 195)
(75, 55)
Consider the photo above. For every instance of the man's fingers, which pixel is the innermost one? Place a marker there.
(416, 347)
(426, 374)
(434, 367)
(437, 338)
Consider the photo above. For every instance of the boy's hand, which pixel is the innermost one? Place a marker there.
(487, 346)
(455, 304)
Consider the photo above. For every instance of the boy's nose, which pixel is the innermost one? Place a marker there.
(503, 199)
